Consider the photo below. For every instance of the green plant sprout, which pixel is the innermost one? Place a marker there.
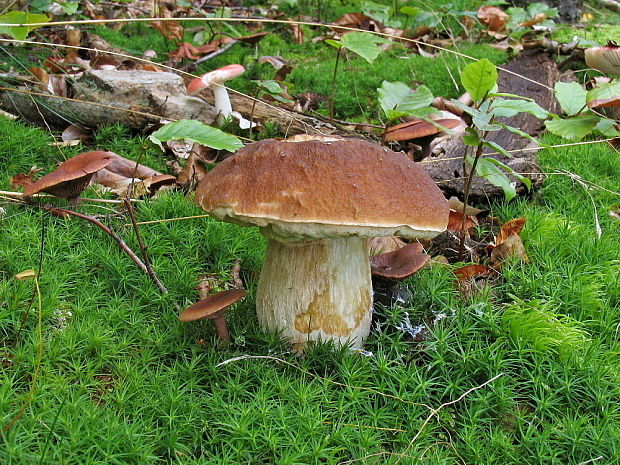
(480, 80)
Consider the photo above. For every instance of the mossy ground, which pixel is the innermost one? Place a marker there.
(122, 381)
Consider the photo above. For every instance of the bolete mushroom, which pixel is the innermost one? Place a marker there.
(72, 176)
(215, 80)
(318, 201)
(213, 308)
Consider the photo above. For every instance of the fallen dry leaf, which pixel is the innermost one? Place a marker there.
(171, 30)
(471, 271)
(21, 180)
(399, 264)
(455, 221)
(192, 173)
(298, 34)
(493, 17)
(384, 244)
(75, 132)
(511, 247)
(455, 204)
(510, 228)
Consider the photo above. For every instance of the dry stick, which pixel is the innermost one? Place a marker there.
(213, 54)
(110, 233)
(19, 195)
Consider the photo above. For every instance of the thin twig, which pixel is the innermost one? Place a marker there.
(428, 419)
(19, 195)
(108, 231)
(143, 248)
(208, 56)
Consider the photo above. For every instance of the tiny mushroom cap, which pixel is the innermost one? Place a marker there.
(412, 130)
(399, 264)
(318, 201)
(215, 80)
(212, 306)
(604, 59)
(72, 176)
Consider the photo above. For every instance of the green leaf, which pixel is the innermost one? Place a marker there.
(503, 107)
(364, 44)
(471, 137)
(20, 17)
(607, 127)
(525, 180)
(397, 100)
(521, 133)
(572, 97)
(333, 43)
(608, 91)
(422, 97)
(70, 8)
(196, 132)
(574, 128)
(391, 94)
(479, 78)
(491, 172)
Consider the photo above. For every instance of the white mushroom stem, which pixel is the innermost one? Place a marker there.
(316, 290)
(224, 108)
(222, 101)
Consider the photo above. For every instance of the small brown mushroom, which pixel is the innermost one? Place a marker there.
(213, 308)
(399, 264)
(71, 177)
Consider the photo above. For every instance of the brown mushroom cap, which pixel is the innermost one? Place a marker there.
(212, 306)
(417, 129)
(399, 264)
(72, 176)
(317, 188)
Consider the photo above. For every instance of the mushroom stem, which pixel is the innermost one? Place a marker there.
(222, 101)
(316, 290)
(221, 328)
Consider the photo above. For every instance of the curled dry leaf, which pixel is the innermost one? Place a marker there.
(385, 244)
(508, 243)
(21, 180)
(615, 213)
(511, 247)
(510, 228)
(471, 272)
(455, 204)
(399, 264)
(75, 132)
(358, 21)
(192, 172)
(455, 221)
(171, 30)
(492, 17)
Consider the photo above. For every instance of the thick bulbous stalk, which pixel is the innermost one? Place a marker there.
(316, 290)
